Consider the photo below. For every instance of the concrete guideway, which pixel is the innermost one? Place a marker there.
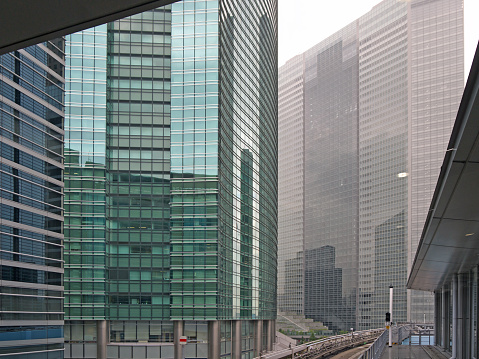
(413, 352)
(354, 353)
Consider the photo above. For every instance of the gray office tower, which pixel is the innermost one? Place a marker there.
(364, 120)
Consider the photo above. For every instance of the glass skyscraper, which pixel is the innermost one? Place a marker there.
(372, 107)
(171, 183)
(31, 214)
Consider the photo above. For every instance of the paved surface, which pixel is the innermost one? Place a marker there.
(351, 353)
(412, 352)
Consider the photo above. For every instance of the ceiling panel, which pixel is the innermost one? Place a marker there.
(457, 233)
(467, 148)
(463, 203)
(452, 177)
(28, 22)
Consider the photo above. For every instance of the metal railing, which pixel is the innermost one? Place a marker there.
(337, 343)
(398, 335)
(376, 349)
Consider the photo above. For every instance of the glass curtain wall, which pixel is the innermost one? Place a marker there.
(437, 83)
(224, 160)
(85, 128)
(383, 162)
(194, 160)
(248, 159)
(291, 186)
(138, 168)
(31, 190)
(331, 180)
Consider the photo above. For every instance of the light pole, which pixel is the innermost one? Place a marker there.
(391, 316)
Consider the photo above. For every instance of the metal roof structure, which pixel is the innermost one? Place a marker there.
(449, 243)
(28, 22)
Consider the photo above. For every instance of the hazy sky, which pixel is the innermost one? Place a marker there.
(304, 23)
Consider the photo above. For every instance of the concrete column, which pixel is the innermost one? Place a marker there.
(258, 337)
(476, 315)
(236, 340)
(101, 338)
(461, 301)
(271, 335)
(472, 315)
(467, 315)
(178, 326)
(437, 317)
(448, 318)
(444, 318)
(214, 342)
(454, 317)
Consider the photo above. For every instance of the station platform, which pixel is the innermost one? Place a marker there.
(413, 352)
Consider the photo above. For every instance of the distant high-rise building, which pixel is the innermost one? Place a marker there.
(364, 120)
(171, 183)
(31, 190)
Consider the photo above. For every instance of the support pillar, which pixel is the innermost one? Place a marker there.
(236, 340)
(437, 317)
(476, 314)
(472, 316)
(178, 326)
(214, 342)
(271, 335)
(444, 318)
(454, 317)
(461, 306)
(101, 338)
(258, 337)
(468, 315)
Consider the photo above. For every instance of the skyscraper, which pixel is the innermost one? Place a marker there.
(31, 214)
(159, 246)
(372, 107)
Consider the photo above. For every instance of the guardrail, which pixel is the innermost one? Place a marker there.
(376, 349)
(403, 332)
(326, 346)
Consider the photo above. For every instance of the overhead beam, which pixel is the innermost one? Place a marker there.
(28, 22)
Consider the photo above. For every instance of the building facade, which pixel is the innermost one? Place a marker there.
(171, 183)
(291, 185)
(31, 214)
(378, 102)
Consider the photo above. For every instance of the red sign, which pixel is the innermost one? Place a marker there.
(183, 340)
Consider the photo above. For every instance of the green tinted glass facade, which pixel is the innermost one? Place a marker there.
(138, 162)
(85, 128)
(194, 152)
(189, 238)
(224, 165)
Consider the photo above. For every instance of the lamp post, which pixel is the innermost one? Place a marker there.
(391, 316)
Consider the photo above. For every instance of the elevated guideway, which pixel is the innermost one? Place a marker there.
(327, 346)
(366, 344)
